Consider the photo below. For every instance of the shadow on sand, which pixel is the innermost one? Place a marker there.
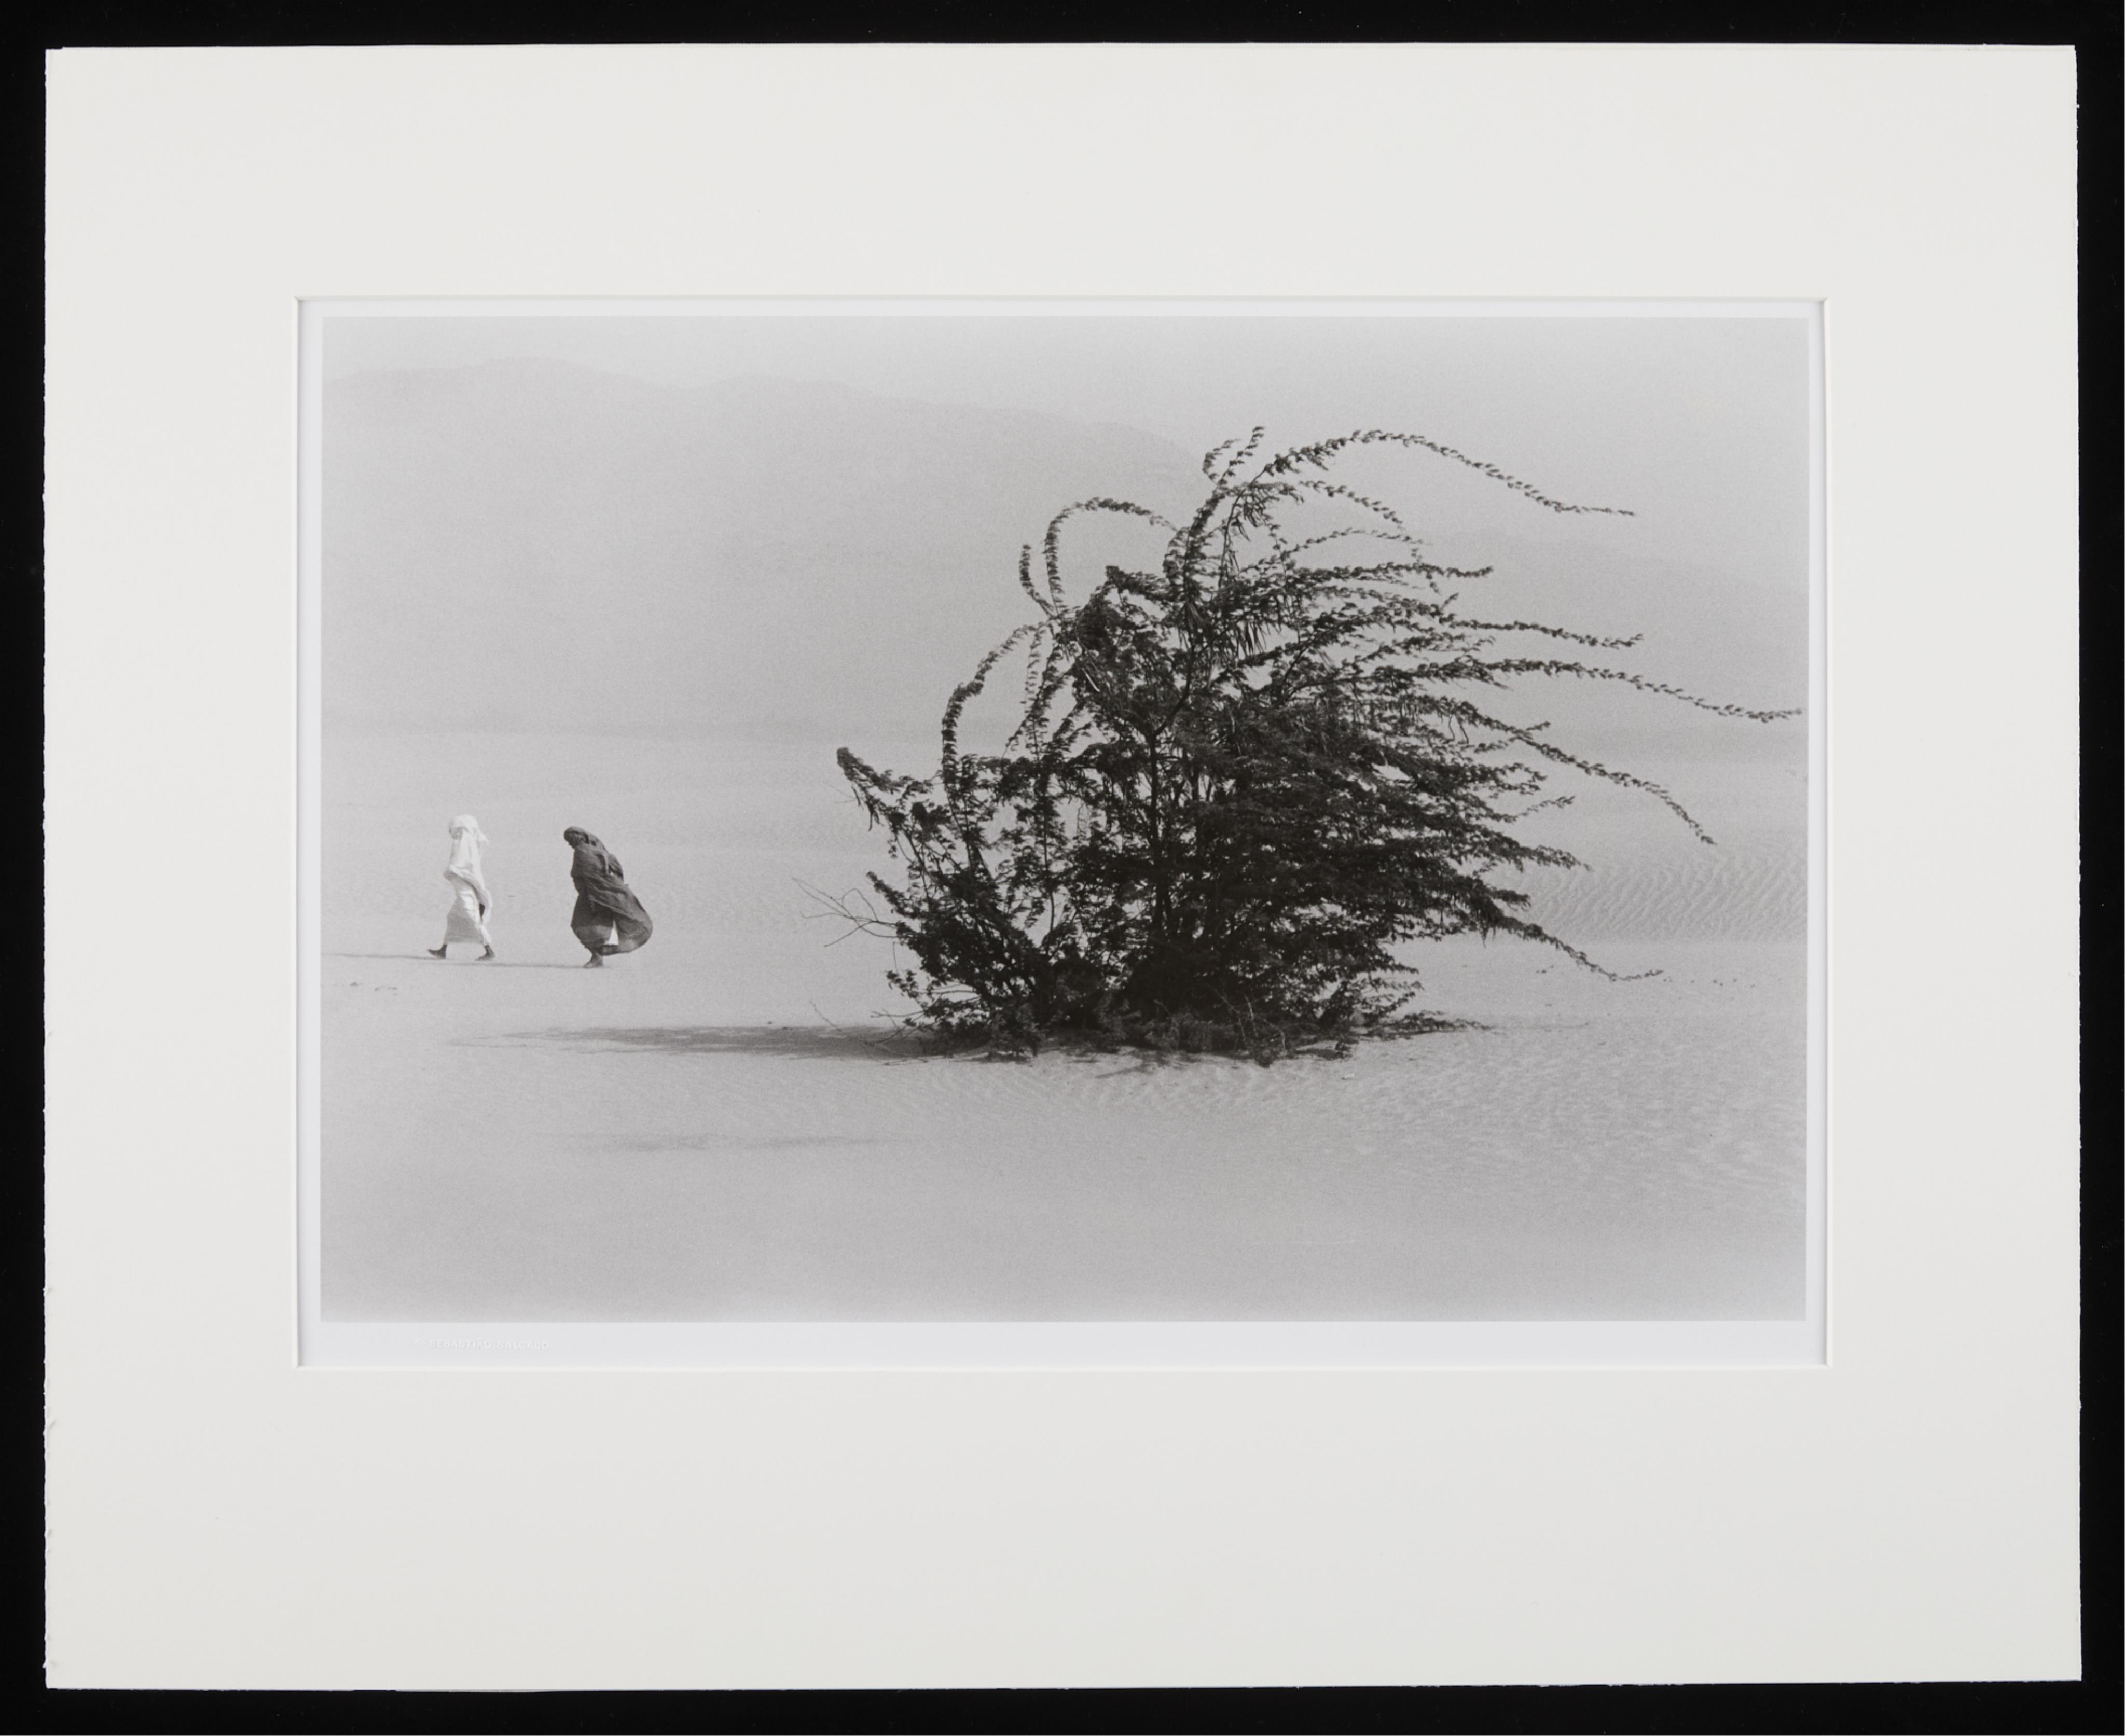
(490, 964)
(795, 1042)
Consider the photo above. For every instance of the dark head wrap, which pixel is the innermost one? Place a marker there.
(608, 917)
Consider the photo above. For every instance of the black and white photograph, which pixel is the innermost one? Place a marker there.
(942, 813)
(1125, 867)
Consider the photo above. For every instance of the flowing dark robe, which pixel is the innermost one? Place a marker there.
(608, 917)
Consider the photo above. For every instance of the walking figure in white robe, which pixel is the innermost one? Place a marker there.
(467, 921)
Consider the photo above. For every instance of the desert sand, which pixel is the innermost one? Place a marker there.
(726, 1126)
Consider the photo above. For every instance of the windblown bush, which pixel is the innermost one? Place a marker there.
(1236, 783)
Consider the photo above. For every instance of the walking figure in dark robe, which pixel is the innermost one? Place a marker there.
(608, 917)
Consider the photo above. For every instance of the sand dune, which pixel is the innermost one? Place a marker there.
(723, 1125)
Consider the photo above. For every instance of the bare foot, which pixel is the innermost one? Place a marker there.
(440, 951)
(595, 963)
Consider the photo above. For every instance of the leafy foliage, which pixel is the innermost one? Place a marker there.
(1236, 783)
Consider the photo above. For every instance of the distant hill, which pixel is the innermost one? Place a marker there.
(534, 546)
(537, 546)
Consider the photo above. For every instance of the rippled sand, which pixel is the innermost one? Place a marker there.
(724, 1127)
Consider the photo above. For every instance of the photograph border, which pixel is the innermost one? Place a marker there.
(1168, 1344)
(218, 1518)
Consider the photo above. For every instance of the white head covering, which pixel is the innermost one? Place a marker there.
(466, 839)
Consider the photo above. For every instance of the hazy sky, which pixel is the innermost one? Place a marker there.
(1699, 424)
(809, 524)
